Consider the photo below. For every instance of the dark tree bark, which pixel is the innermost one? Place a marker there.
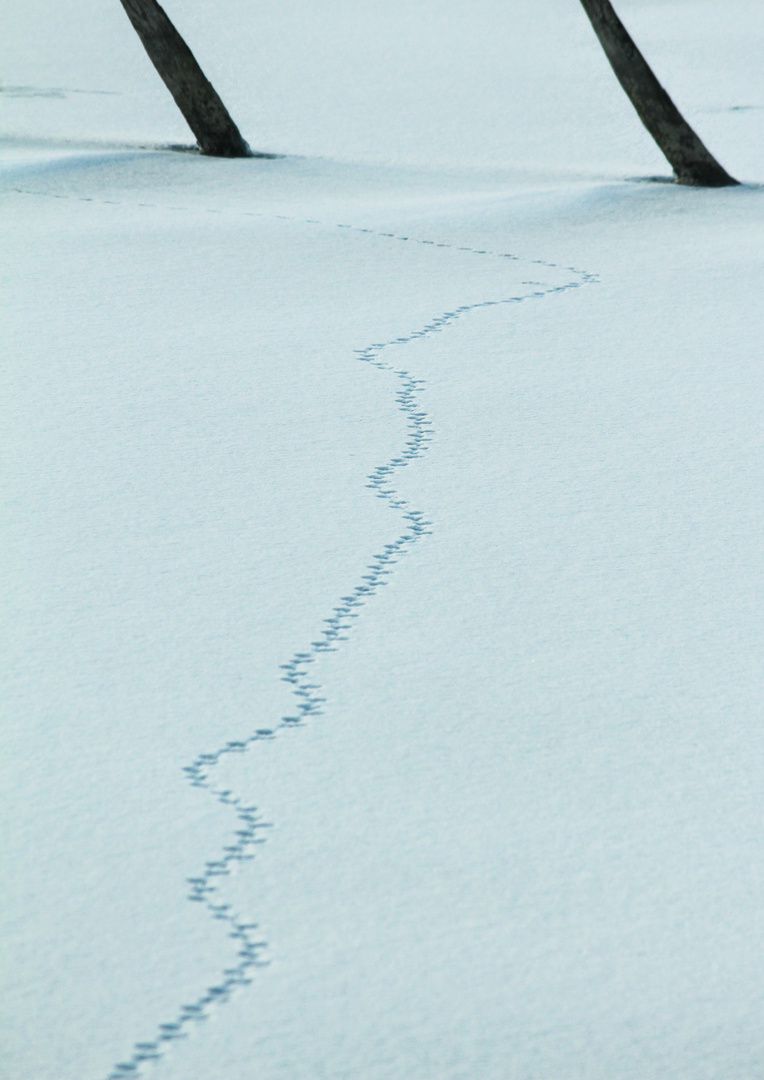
(194, 95)
(688, 157)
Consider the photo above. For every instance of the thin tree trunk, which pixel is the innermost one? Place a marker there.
(691, 161)
(194, 95)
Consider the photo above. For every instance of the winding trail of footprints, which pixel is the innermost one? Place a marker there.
(206, 887)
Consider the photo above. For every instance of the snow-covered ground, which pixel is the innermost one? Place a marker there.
(451, 418)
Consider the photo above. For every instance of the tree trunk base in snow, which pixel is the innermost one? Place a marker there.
(691, 161)
(194, 94)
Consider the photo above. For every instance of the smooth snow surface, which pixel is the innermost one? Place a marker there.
(395, 502)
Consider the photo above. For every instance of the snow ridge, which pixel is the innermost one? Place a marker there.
(205, 888)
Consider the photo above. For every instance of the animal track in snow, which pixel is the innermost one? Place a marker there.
(206, 887)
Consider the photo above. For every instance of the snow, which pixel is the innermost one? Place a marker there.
(522, 835)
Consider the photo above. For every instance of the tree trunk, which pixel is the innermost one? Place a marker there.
(194, 95)
(691, 161)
